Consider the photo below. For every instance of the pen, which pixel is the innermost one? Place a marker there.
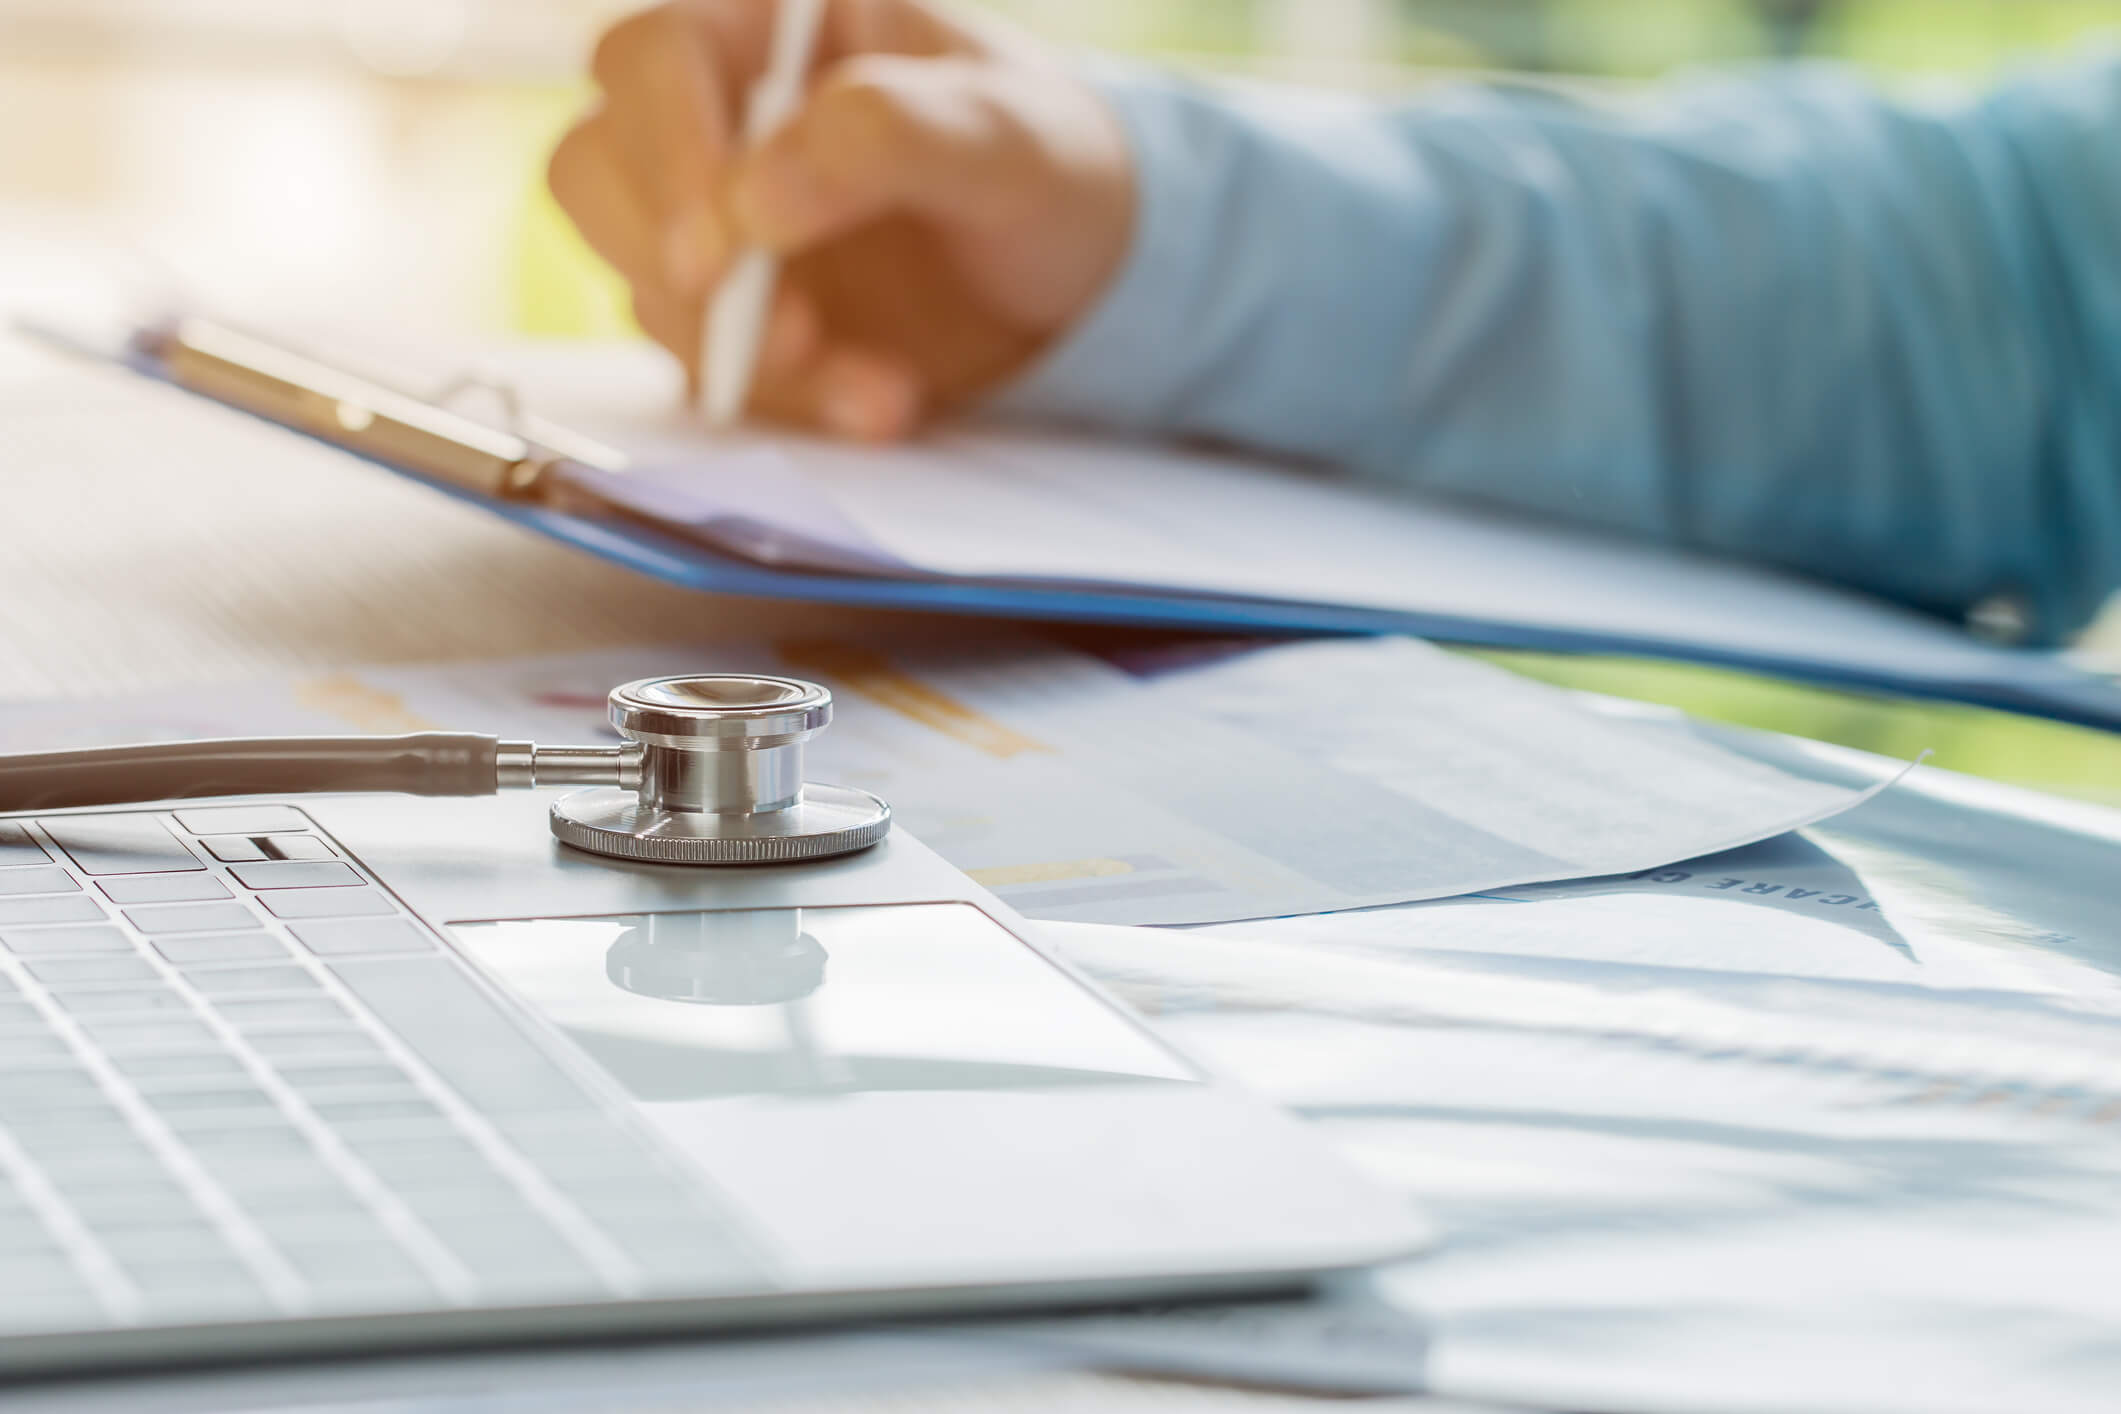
(735, 326)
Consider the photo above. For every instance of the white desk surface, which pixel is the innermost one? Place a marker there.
(119, 578)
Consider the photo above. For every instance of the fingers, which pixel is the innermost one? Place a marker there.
(807, 378)
(589, 181)
(648, 179)
(675, 324)
(895, 27)
(883, 133)
(858, 394)
(670, 118)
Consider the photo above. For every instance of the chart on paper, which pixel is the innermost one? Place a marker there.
(1133, 789)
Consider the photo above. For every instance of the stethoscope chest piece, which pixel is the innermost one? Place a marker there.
(720, 773)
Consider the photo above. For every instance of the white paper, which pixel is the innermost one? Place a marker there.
(1023, 504)
(1708, 1149)
(1302, 779)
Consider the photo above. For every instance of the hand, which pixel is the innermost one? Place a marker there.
(948, 199)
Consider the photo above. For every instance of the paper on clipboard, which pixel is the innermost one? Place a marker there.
(1026, 508)
(1020, 523)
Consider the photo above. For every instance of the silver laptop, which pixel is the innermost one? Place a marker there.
(364, 1073)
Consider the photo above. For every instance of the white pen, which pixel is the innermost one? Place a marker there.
(735, 326)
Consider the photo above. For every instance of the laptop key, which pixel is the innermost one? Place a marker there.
(121, 1209)
(187, 948)
(152, 1072)
(320, 1215)
(31, 1045)
(354, 1266)
(28, 1239)
(311, 1078)
(47, 1081)
(145, 1003)
(247, 1138)
(246, 1014)
(17, 848)
(205, 1273)
(260, 849)
(77, 1146)
(279, 846)
(59, 972)
(127, 1194)
(295, 874)
(236, 849)
(65, 941)
(277, 1182)
(392, 1111)
(192, 918)
(163, 1243)
(345, 1042)
(71, 1308)
(25, 1109)
(420, 1159)
(302, 1194)
(50, 908)
(38, 879)
(222, 1301)
(328, 903)
(120, 844)
(226, 1097)
(462, 1033)
(40, 1270)
(225, 981)
(163, 888)
(148, 1033)
(243, 820)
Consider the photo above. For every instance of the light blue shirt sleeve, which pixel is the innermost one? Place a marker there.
(1773, 315)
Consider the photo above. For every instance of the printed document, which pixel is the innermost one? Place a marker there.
(1829, 1124)
(1144, 786)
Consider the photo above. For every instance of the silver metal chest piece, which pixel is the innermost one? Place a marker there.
(721, 778)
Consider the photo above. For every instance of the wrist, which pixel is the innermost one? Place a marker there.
(1111, 360)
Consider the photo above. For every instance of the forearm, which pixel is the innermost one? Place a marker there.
(1778, 317)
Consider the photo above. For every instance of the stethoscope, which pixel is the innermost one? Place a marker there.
(710, 772)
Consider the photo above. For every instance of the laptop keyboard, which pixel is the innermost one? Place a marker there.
(238, 1081)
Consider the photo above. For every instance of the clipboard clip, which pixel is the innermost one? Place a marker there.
(426, 436)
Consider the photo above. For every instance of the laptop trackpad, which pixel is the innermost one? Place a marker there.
(681, 1008)
(889, 1088)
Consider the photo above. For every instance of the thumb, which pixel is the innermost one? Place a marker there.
(883, 133)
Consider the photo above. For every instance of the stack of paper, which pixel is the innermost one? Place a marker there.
(1825, 1124)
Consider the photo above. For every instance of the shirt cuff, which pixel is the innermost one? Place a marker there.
(1122, 364)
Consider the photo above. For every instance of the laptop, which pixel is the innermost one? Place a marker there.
(363, 1073)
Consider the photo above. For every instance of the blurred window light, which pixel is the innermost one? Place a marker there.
(404, 38)
(386, 156)
(547, 40)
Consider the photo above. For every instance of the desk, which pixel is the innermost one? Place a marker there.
(141, 577)
(124, 577)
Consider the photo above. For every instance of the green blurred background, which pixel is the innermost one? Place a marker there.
(379, 161)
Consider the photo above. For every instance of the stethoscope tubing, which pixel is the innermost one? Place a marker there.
(426, 763)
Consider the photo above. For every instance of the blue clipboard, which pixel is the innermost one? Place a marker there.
(2024, 681)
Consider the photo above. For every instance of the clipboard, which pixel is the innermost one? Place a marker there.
(539, 475)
